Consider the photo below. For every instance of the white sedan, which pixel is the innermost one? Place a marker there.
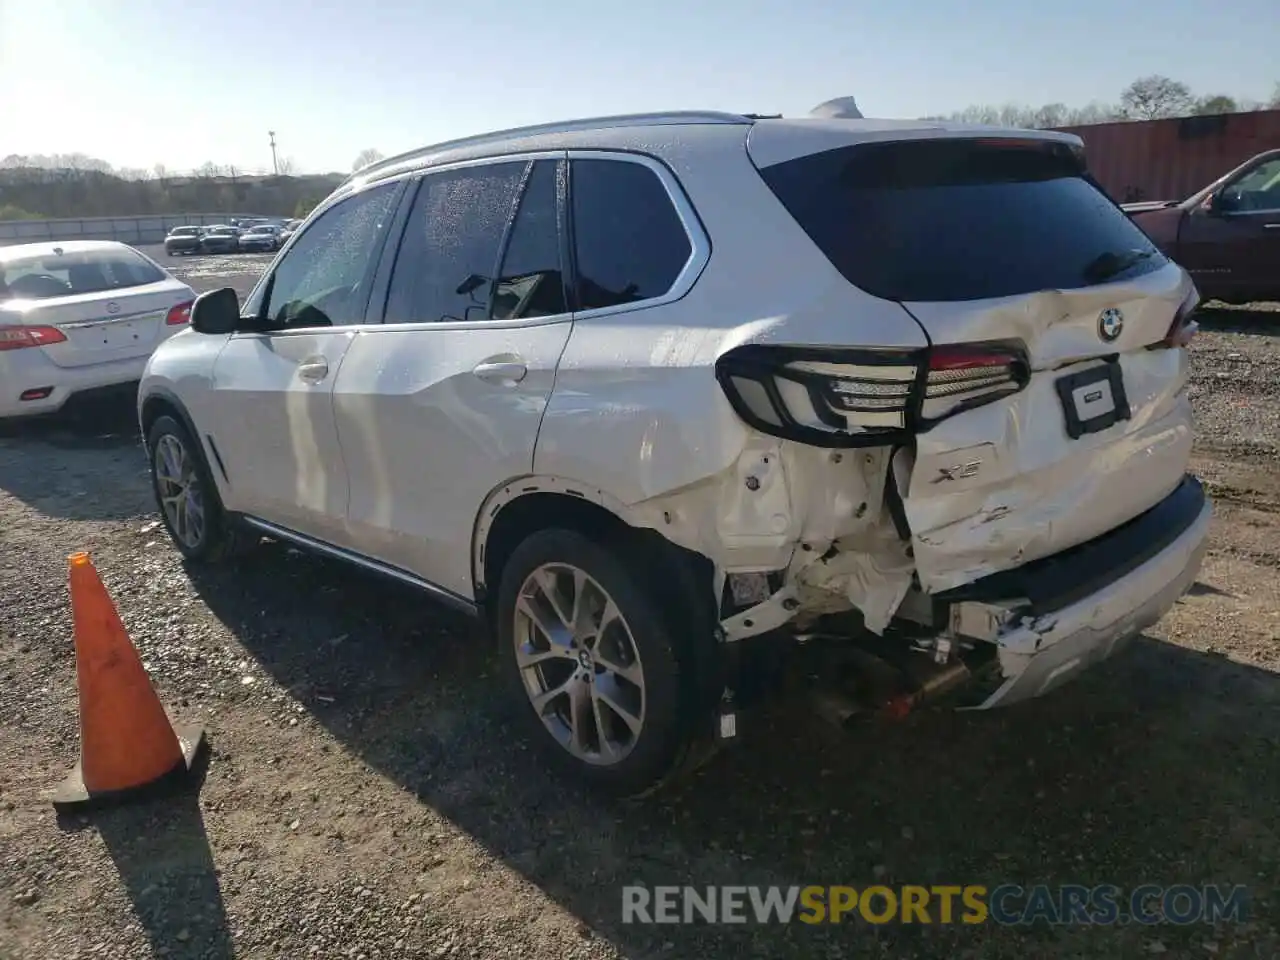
(80, 317)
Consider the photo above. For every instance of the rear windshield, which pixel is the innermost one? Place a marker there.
(185, 231)
(939, 220)
(68, 274)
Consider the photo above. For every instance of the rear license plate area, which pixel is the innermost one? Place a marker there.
(1093, 399)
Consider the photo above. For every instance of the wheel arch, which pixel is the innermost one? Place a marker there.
(524, 505)
(680, 580)
(161, 401)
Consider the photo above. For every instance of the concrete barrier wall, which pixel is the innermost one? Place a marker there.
(132, 230)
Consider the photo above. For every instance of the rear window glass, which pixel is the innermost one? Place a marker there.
(185, 231)
(943, 220)
(69, 274)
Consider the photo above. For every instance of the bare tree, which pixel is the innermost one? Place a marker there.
(1094, 112)
(1154, 97)
(287, 167)
(1050, 115)
(366, 157)
(1274, 102)
(208, 169)
(161, 171)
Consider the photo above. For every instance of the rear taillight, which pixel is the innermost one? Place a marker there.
(179, 314)
(17, 338)
(1184, 326)
(854, 398)
(961, 377)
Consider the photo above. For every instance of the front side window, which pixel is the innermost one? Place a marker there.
(321, 280)
(1257, 191)
(629, 243)
(444, 270)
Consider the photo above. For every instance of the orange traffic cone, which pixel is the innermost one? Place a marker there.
(127, 745)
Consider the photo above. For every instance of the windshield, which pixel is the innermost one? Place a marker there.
(43, 277)
(944, 220)
(184, 231)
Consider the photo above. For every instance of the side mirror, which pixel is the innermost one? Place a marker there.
(1224, 201)
(216, 312)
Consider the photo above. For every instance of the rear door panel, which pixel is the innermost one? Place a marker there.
(425, 438)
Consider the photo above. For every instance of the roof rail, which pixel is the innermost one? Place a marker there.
(564, 126)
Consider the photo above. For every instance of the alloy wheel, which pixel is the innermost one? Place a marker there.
(579, 664)
(178, 485)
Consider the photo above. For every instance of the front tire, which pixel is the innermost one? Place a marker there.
(186, 495)
(593, 668)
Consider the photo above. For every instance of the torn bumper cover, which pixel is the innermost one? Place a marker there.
(1084, 604)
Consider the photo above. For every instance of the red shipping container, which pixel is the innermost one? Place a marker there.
(1172, 159)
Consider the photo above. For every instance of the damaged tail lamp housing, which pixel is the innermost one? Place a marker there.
(834, 397)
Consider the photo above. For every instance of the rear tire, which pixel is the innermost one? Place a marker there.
(583, 638)
(187, 496)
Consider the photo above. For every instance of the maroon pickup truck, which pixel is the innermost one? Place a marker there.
(1227, 235)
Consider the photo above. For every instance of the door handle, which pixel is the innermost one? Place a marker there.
(313, 369)
(506, 372)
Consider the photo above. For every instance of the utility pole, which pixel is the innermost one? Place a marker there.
(275, 166)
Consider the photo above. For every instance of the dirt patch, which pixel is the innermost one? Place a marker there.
(366, 796)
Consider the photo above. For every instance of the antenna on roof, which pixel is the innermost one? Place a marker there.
(841, 108)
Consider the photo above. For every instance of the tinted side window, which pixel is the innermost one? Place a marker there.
(319, 283)
(530, 282)
(1259, 189)
(629, 242)
(444, 270)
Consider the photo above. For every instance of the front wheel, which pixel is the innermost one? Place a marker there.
(186, 495)
(594, 669)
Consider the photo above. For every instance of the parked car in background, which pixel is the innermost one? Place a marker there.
(1226, 235)
(80, 317)
(745, 379)
(288, 230)
(184, 239)
(220, 238)
(264, 236)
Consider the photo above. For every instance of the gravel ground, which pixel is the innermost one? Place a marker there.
(365, 797)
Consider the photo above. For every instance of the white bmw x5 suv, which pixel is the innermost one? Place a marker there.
(637, 389)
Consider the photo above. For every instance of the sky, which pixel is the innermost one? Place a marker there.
(145, 82)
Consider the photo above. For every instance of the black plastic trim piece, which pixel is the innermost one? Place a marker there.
(217, 456)
(893, 499)
(1110, 373)
(1055, 582)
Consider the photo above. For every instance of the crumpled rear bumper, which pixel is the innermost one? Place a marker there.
(1043, 652)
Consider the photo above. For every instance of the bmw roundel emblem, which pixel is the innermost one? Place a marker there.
(1110, 323)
